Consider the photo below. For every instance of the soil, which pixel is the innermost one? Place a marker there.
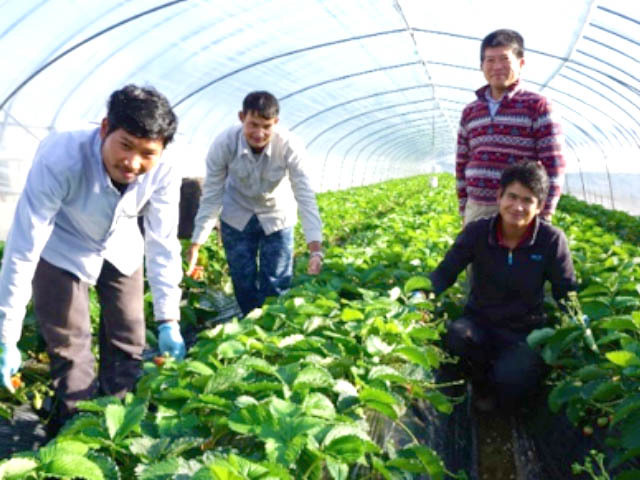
(495, 449)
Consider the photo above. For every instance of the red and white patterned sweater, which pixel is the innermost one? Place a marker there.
(522, 129)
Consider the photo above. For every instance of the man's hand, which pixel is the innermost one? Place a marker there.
(315, 264)
(170, 339)
(316, 257)
(10, 361)
(192, 259)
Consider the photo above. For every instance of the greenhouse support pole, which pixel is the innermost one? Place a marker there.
(5, 121)
(584, 191)
(606, 167)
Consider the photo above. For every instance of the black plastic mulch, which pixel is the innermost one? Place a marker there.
(24, 432)
(548, 444)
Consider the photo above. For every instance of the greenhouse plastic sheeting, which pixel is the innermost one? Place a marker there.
(375, 88)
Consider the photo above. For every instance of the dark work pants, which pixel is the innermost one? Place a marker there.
(496, 359)
(61, 304)
(260, 265)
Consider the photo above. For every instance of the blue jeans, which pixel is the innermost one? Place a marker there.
(261, 265)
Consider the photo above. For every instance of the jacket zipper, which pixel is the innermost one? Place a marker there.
(510, 258)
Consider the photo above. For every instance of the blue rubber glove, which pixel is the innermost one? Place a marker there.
(417, 296)
(170, 340)
(10, 361)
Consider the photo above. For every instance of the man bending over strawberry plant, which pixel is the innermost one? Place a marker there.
(256, 177)
(512, 254)
(75, 225)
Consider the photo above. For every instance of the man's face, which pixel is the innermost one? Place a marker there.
(517, 205)
(126, 156)
(501, 67)
(257, 130)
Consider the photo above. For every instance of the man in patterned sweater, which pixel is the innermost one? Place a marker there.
(505, 125)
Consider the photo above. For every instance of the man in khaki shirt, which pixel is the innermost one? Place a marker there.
(256, 181)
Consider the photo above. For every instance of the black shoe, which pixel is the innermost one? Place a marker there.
(483, 398)
(52, 427)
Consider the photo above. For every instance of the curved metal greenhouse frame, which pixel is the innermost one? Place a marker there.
(366, 84)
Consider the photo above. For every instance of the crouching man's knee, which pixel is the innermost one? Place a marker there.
(518, 373)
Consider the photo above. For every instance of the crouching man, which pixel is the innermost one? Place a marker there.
(76, 225)
(512, 254)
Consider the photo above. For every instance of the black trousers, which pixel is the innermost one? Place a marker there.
(496, 359)
(61, 304)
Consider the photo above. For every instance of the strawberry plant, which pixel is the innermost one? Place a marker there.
(292, 390)
(296, 389)
(596, 358)
(595, 472)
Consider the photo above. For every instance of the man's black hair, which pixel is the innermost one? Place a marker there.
(142, 112)
(262, 103)
(529, 174)
(503, 38)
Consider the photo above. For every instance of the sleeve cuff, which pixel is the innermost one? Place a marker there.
(167, 314)
(199, 236)
(10, 332)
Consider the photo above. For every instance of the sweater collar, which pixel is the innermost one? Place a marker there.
(528, 240)
(511, 91)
